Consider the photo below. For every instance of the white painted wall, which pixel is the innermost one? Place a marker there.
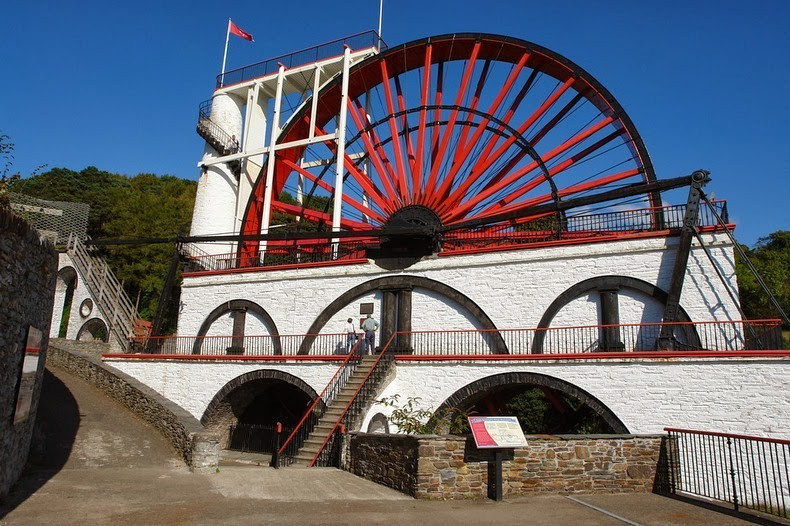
(729, 395)
(513, 287)
(192, 384)
(735, 395)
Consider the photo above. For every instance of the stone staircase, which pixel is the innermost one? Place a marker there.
(334, 412)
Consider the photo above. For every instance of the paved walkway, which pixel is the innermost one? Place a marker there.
(101, 465)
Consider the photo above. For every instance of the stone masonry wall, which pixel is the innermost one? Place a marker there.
(199, 448)
(28, 271)
(451, 467)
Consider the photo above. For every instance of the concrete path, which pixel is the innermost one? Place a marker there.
(101, 465)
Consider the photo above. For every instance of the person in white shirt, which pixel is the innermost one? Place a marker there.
(351, 335)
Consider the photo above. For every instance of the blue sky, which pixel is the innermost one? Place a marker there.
(117, 85)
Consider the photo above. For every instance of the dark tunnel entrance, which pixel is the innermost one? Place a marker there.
(543, 404)
(246, 414)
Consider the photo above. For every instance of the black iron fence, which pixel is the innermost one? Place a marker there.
(745, 471)
(574, 228)
(275, 255)
(256, 438)
(366, 39)
(581, 226)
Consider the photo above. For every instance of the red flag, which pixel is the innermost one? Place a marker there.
(240, 32)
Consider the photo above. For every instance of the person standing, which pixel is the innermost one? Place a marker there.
(351, 335)
(369, 326)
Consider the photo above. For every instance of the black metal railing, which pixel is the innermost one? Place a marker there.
(213, 133)
(256, 438)
(582, 226)
(366, 39)
(277, 255)
(574, 228)
(745, 471)
(330, 451)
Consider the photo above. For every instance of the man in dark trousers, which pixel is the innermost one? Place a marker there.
(369, 326)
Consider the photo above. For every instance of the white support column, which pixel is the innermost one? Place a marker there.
(253, 138)
(314, 107)
(267, 196)
(341, 148)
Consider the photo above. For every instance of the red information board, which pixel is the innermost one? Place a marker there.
(497, 431)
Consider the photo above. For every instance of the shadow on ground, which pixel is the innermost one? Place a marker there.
(57, 421)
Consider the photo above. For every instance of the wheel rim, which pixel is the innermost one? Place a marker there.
(496, 125)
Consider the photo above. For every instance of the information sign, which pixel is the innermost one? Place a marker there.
(497, 431)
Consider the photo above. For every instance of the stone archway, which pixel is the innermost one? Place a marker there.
(607, 287)
(94, 329)
(64, 294)
(480, 388)
(238, 397)
(400, 287)
(240, 309)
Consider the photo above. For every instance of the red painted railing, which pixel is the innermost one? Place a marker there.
(598, 340)
(316, 410)
(328, 452)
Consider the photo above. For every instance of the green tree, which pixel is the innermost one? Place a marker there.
(771, 258)
(143, 206)
(91, 186)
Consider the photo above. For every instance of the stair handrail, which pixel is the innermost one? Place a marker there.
(335, 384)
(108, 292)
(385, 352)
(222, 139)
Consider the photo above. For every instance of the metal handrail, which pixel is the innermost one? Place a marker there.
(301, 57)
(107, 291)
(714, 336)
(375, 372)
(212, 132)
(333, 387)
(746, 471)
(575, 229)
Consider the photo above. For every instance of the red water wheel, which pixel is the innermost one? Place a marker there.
(454, 128)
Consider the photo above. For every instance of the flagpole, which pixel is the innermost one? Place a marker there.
(225, 55)
(381, 10)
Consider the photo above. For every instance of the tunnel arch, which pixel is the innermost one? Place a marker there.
(96, 328)
(437, 287)
(237, 396)
(479, 388)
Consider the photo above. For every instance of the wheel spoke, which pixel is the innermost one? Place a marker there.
(377, 156)
(430, 187)
(400, 179)
(494, 126)
(328, 187)
(426, 85)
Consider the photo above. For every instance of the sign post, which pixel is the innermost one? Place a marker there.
(498, 433)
